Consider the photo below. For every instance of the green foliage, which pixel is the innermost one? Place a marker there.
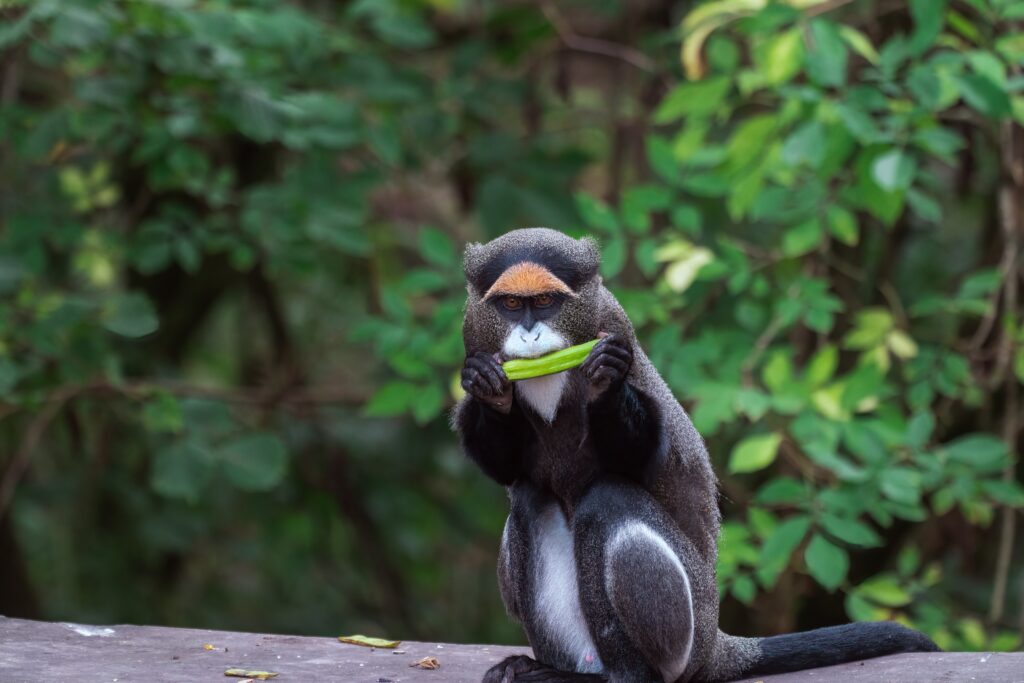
(232, 297)
(833, 149)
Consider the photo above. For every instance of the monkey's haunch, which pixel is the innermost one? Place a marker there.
(563, 359)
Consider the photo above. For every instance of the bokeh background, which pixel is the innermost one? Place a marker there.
(230, 296)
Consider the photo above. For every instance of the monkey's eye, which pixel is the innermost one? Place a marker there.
(512, 303)
(543, 300)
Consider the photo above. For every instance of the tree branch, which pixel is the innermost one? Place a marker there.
(1012, 225)
(605, 48)
(18, 465)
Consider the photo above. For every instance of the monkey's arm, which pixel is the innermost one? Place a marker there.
(625, 424)
(492, 428)
(626, 430)
(494, 440)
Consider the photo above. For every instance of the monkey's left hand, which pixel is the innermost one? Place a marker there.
(607, 364)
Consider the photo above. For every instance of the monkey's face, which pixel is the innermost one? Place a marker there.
(530, 317)
(529, 298)
(531, 292)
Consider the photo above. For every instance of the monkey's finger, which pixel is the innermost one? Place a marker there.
(489, 377)
(496, 376)
(488, 360)
(608, 360)
(615, 340)
(601, 354)
(479, 385)
(605, 375)
(609, 365)
(467, 381)
(588, 363)
(595, 363)
(622, 352)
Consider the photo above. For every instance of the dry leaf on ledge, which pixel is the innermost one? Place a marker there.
(427, 663)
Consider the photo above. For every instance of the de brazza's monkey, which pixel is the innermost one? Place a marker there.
(608, 555)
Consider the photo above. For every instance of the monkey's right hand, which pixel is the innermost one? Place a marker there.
(484, 379)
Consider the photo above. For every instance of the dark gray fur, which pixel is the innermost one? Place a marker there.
(637, 627)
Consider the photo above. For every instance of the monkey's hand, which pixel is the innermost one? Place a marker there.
(485, 380)
(607, 365)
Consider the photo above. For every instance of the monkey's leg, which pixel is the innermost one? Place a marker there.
(634, 585)
(537, 577)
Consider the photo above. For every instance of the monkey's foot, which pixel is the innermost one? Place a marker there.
(525, 669)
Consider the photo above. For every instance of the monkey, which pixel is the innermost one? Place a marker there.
(607, 557)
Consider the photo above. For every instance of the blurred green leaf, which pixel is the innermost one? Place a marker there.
(181, 470)
(928, 20)
(130, 315)
(394, 398)
(894, 170)
(437, 248)
(693, 99)
(802, 238)
(782, 491)
(826, 53)
(254, 462)
(982, 451)
(885, 591)
(782, 57)
(779, 547)
(850, 531)
(826, 563)
(596, 214)
(982, 94)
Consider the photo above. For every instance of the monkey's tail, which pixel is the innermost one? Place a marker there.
(737, 657)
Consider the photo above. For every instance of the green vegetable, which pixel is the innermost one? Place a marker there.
(564, 359)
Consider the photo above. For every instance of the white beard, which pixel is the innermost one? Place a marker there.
(542, 393)
(538, 341)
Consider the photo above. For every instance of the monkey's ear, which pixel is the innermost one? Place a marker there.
(590, 256)
(472, 261)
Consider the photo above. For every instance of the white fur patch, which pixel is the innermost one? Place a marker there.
(544, 394)
(558, 598)
(538, 341)
(638, 532)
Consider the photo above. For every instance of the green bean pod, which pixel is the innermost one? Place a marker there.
(563, 359)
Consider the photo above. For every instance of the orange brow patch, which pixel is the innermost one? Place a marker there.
(527, 279)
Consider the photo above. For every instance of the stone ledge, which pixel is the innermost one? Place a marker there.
(42, 652)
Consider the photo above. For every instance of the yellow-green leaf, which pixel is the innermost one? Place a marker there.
(701, 22)
(901, 344)
(859, 43)
(755, 453)
(884, 590)
(370, 642)
(782, 57)
(258, 675)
